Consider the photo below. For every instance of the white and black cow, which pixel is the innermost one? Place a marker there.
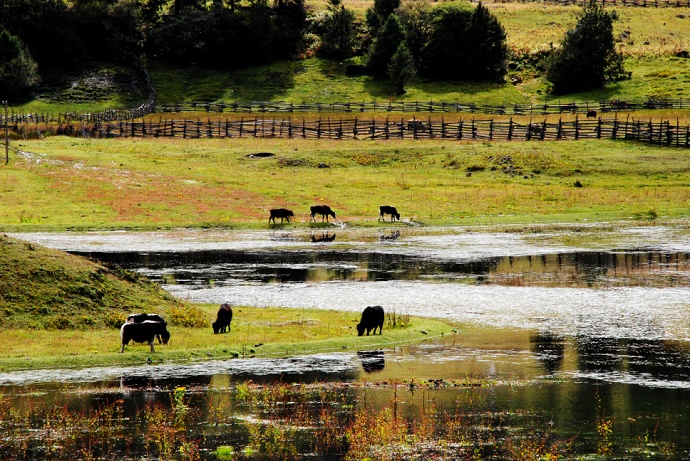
(139, 318)
(390, 210)
(144, 332)
(372, 317)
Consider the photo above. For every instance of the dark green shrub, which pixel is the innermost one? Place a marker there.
(587, 58)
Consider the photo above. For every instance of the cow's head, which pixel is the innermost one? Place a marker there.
(361, 329)
(165, 336)
(216, 327)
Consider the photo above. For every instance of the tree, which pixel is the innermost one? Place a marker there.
(414, 18)
(465, 44)
(338, 32)
(18, 72)
(587, 57)
(377, 15)
(487, 48)
(401, 68)
(445, 53)
(385, 45)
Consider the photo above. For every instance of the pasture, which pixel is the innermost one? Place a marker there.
(68, 183)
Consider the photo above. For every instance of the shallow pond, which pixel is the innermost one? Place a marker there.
(576, 342)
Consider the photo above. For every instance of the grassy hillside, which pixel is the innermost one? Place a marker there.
(67, 183)
(42, 288)
(650, 38)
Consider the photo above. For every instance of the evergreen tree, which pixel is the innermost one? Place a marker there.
(401, 68)
(385, 45)
(587, 58)
(445, 53)
(487, 49)
(377, 15)
(18, 72)
(338, 32)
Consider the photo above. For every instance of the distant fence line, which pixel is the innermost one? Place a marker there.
(152, 107)
(662, 132)
(604, 3)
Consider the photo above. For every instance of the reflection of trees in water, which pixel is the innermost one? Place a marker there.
(549, 349)
(580, 269)
(594, 269)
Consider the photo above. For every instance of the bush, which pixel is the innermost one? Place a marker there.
(587, 58)
(187, 316)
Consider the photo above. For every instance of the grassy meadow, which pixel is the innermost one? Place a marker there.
(66, 183)
(255, 332)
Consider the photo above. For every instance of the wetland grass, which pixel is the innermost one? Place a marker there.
(286, 421)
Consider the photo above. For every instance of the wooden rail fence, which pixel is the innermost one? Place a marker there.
(151, 106)
(604, 3)
(662, 132)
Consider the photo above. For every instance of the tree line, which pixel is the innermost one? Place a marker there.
(397, 41)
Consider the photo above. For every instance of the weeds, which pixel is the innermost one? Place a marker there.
(277, 421)
(396, 319)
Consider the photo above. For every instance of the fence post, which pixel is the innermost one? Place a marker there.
(576, 127)
(511, 129)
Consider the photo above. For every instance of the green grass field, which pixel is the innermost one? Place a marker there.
(66, 183)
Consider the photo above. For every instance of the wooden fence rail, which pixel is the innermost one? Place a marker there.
(662, 132)
(151, 106)
(608, 3)
(583, 107)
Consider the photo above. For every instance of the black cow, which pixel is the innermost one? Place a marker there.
(372, 317)
(144, 332)
(390, 210)
(323, 210)
(591, 114)
(223, 319)
(139, 318)
(282, 213)
(414, 125)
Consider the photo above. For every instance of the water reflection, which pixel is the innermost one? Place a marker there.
(325, 237)
(372, 360)
(549, 350)
(578, 269)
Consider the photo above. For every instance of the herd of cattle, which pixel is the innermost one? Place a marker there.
(325, 211)
(147, 328)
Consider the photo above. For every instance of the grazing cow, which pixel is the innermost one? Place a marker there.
(139, 318)
(144, 332)
(571, 107)
(620, 105)
(372, 317)
(591, 114)
(390, 210)
(323, 210)
(282, 213)
(415, 125)
(222, 324)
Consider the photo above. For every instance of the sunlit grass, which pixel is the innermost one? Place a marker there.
(72, 183)
(255, 332)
